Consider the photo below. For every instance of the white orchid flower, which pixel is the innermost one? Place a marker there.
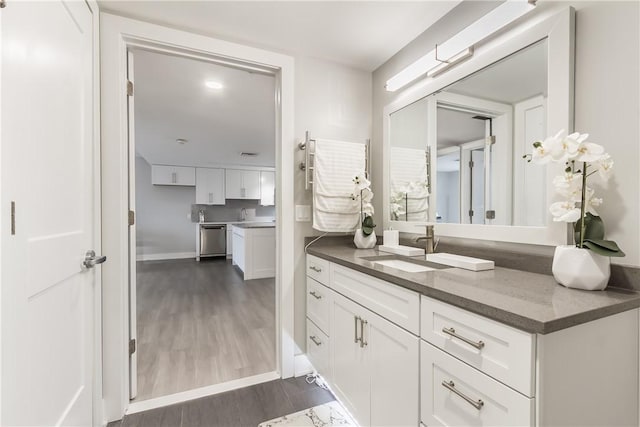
(563, 149)
(589, 152)
(367, 209)
(592, 203)
(605, 167)
(366, 194)
(565, 211)
(567, 180)
(361, 182)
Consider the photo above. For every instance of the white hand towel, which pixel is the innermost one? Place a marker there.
(336, 163)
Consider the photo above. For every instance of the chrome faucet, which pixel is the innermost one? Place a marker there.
(243, 214)
(431, 241)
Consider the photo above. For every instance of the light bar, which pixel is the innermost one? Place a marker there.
(460, 47)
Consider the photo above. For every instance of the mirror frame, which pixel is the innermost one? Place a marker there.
(559, 30)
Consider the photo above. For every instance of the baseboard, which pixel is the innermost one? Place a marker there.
(301, 365)
(158, 402)
(172, 255)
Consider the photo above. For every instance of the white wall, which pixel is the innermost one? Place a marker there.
(331, 101)
(607, 102)
(163, 216)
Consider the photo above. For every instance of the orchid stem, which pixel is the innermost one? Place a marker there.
(583, 203)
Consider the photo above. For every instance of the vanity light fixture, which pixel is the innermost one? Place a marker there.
(212, 84)
(460, 47)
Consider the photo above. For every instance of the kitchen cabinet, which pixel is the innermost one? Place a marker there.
(253, 250)
(173, 175)
(242, 184)
(267, 188)
(210, 188)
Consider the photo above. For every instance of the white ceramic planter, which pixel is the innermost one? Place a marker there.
(580, 268)
(364, 242)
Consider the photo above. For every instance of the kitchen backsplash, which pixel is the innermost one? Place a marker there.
(231, 210)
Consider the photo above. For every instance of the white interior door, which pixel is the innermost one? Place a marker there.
(133, 329)
(49, 179)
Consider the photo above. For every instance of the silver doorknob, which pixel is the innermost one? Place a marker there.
(91, 260)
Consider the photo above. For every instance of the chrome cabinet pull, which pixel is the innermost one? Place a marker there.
(450, 331)
(315, 295)
(316, 269)
(355, 329)
(315, 340)
(478, 404)
(363, 343)
(174, 177)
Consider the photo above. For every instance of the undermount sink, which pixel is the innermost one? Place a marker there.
(406, 264)
(409, 267)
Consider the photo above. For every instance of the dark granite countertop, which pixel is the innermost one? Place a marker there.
(528, 301)
(255, 225)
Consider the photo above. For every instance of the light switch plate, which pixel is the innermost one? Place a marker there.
(303, 213)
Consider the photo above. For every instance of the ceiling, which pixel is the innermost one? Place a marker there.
(361, 34)
(172, 102)
(458, 127)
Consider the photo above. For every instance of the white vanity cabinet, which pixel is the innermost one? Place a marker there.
(373, 364)
(242, 184)
(173, 175)
(210, 186)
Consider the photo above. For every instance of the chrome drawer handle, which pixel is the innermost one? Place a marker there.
(355, 329)
(315, 295)
(316, 269)
(315, 340)
(363, 343)
(450, 331)
(478, 404)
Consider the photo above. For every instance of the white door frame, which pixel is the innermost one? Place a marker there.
(117, 34)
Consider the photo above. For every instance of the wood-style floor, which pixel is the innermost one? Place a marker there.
(200, 323)
(243, 407)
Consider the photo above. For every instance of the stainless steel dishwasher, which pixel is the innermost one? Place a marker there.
(213, 240)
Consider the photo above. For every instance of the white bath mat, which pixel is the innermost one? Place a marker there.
(327, 415)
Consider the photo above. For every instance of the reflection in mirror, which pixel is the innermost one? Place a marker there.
(409, 156)
(486, 122)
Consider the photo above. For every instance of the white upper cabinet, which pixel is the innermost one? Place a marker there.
(210, 188)
(267, 188)
(173, 175)
(242, 184)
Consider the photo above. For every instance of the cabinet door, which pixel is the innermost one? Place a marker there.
(251, 185)
(267, 188)
(210, 188)
(173, 175)
(238, 249)
(348, 359)
(233, 183)
(394, 360)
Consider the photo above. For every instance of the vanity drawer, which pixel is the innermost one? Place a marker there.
(318, 304)
(318, 349)
(397, 304)
(455, 394)
(505, 353)
(318, 269)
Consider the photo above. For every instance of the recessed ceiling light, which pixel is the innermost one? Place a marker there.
(182, 141)
(248, 154)
(212, 84)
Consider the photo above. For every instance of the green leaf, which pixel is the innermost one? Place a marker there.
(537, 144)
(367, 230)
(604, 247)
(594, 228)
(368, 222)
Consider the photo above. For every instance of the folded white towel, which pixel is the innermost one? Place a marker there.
(335, 165)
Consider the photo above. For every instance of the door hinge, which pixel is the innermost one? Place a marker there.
(490, 140)
(129, 88)
(132, 346)
(132, 218)
(471, 165)
(13, 218)
(470, 213)
(3, 4)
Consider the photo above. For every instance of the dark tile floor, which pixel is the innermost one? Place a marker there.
(243, 407)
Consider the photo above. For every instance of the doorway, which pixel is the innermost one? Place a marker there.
(202, 311)
(117, 36)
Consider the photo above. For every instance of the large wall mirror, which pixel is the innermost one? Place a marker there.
(453, 148)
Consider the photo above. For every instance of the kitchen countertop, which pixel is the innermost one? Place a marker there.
(255, 225)
(528, 301)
